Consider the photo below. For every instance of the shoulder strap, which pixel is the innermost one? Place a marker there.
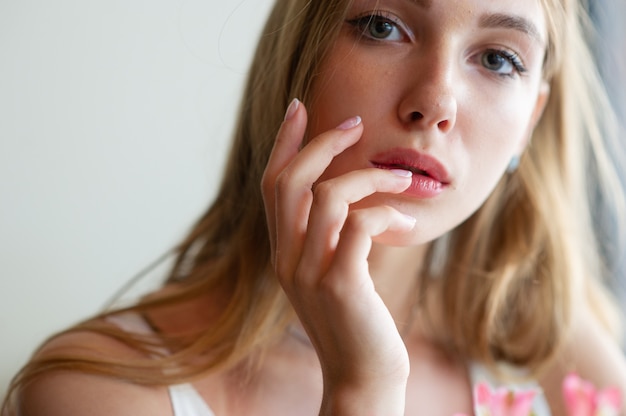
(186, 401)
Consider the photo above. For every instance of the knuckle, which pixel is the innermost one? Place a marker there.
(357, 220)
(281, 186)
(332, 290)
(301, 280)
(282, 181)
(325, 192)
(267, 187)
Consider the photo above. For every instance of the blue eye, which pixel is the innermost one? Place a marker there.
(377, 27)
(502, 62)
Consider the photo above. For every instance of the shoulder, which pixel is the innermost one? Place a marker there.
(589, 351)
(74, 393)
(71, 393)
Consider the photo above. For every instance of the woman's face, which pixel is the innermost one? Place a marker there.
(449, 89)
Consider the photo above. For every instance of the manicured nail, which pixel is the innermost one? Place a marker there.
(402, 172)
(410, 220)
(291, 110)
(349, 123)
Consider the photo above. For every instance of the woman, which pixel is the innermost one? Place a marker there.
(422, 209)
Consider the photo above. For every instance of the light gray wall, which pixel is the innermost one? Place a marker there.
(114, 120)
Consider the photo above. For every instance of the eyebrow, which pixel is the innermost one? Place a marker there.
(508, 21)
(422, 3)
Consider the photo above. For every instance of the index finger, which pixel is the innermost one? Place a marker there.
(286, 147)
(287, 143)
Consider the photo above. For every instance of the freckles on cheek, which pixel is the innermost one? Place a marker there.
(334, 98)
(352, 82)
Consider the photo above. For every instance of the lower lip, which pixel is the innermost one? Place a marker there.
(424, 187)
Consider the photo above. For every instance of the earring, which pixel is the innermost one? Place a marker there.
(513, 164)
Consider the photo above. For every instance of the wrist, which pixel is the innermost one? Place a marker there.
(376, 399)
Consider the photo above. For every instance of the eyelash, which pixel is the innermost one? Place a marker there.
(362, 24)
(513, 58)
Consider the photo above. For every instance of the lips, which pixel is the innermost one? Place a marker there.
(418, 163)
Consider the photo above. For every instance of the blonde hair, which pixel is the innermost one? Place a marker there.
(518, 262)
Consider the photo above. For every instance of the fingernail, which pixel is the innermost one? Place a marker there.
(349, 123)
(291, 110)
(401, 172)
(409, 219)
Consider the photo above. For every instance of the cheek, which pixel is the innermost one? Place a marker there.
(346, 87)
(500, 128)
(496, 129)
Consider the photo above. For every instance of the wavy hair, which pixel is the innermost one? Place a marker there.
(507, 276)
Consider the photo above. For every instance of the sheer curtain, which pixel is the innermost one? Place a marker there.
(610, 49)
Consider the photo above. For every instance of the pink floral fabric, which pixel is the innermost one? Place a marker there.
(581, 398)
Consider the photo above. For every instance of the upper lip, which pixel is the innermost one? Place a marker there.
(414, 161)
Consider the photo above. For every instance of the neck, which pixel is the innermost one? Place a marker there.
(396, 273)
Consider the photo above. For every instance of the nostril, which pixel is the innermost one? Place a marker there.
(416, 116)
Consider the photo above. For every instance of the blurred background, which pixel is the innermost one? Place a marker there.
(115, 117)
(609, 46)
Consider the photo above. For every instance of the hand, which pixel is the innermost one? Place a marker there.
(319, 252)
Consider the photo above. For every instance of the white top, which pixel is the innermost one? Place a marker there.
(186, 401)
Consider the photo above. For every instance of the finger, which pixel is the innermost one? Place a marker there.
(293, 195)
(347, 287)
(286, 145)
(311, 162)
(350, 258)
(288, 141)
(331, 203)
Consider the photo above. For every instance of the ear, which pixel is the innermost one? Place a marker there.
(540, 105)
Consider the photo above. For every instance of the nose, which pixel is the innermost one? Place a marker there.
(429, 100)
